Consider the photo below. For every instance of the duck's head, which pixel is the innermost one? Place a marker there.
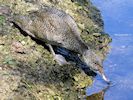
(95, 63)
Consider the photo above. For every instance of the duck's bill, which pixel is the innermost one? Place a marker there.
(106, 79)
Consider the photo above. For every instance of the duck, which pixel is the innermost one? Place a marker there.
(56, 27)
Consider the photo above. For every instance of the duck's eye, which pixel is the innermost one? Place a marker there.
(95, 63)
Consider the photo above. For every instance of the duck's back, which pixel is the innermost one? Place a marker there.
(52, 26)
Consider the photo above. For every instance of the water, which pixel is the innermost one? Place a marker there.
(118, 18)
(117, 15)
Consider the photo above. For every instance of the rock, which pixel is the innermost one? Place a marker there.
(35, 75)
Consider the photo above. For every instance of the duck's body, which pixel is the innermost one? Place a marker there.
(52, 26)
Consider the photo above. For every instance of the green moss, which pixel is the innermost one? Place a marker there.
(8, 60)
(2, 20)
(81, 2)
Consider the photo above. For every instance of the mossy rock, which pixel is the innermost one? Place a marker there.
(37, 75)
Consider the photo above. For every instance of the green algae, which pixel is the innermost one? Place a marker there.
(2, 20)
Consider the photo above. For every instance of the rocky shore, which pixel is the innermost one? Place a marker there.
(27, 69)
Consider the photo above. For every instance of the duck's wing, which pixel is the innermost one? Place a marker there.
(44, 26)
(65, 17)
(53, 27)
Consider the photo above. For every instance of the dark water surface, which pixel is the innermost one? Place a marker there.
(118, 18)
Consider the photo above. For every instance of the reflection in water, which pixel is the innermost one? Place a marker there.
(99, 95)
(119, 68)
